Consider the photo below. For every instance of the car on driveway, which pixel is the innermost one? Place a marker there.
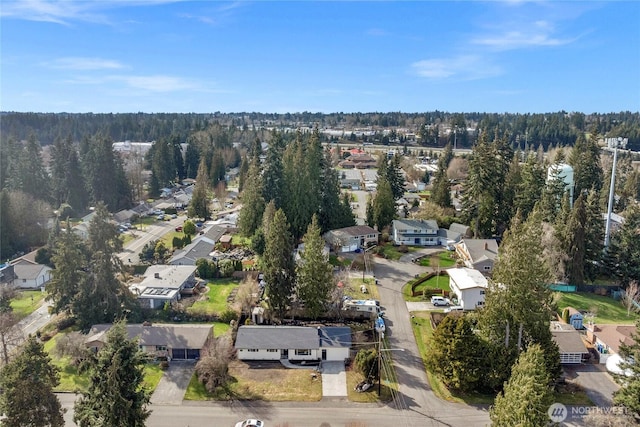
(439, 301)
(179, 228)
(250, 423)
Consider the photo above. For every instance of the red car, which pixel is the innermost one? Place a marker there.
(179, 228)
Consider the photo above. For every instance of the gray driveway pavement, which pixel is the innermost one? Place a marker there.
(173, 384)
(334, 379)
(595, 380)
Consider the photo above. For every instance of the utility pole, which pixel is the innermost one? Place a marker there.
(607, 233)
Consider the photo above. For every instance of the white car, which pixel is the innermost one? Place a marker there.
(250, 423)
(437, 301)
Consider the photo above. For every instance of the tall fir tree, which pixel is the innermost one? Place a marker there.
(28, 173)
(70, 261)
(577, 242)
(529, 189)
(384, 206)
(116, 395)
(585, 161)
(27, 384)
(527, 396)
(252, 202)
(314, 272)
(66, 176)
(278, 263)
(623, 253)
(272, 177)
(199, 206)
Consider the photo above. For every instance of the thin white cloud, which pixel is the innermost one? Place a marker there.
(65, 12)
(377, 32)
(215, 16)
(157, 83)
(79, 63)
(520, 34)
(461, 67)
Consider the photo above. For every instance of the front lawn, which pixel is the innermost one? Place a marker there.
(271, 382)
(26, 303)
(167, 239)
(353, 289)
(215, 301)
(445, 260)
(436, 282)
(369, 396)
(389, 251)
(606, 309)
(338, 261)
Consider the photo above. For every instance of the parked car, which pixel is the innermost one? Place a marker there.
(160, 217)
(439, 301)
(179, 228)
(250, 423)
(174, 216)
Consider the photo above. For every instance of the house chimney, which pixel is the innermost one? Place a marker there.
(156, 275)
(486, 246)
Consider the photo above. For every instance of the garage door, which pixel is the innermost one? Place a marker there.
(193, 354)
(179, 353)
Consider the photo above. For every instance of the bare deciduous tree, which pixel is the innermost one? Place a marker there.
(631, 297)
(247, 295)
(213, 368)
(73, 346)
(10, 336)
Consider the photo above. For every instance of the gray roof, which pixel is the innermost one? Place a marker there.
(169, 276)
(335, 337)
(449, 234)
(215, 232)
(357, 230)
(481, 249)
(200, 248)
(459, 228)
(277, 337)
(174, 336)
(569, 341)
(414, 224)
(29, 271)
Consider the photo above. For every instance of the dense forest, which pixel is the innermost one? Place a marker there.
(433, 128)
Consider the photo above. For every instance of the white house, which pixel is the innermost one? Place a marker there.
(163, 283)
(29, 274)
(415, 232)
(293, 343)
(469, 285)
(350, 239)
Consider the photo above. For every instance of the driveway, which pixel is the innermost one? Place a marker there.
(595, 380)
(334, 379)
(173, 384)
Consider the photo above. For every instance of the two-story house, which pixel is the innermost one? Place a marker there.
(415, 232)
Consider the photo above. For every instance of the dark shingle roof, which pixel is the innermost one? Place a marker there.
(335, 337)
(277, 337)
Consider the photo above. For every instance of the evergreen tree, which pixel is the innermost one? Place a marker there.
(7, 247)
(27, 383)
(527, 396)
(279, 266)
(441, 192)
(252, 203)
(314, 272)
(518, 303)
(624, 249)
(384, 206)
(163, 167)
(554, 190)
(594, 237)
(244, 170)
(218, 169)
(29, 174)
(116, 396)
(70, 261)
(629, 393)
(66, 176)
(103, 233)
(178, 160)
(394, 177)
(530, 187)
(585, 161)
(370, 220)
(577, 242)
(191, 161)
(199, 206)
(272, 177)
(335, 211)
(453, 354)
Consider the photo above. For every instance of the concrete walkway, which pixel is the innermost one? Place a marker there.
(173, 384)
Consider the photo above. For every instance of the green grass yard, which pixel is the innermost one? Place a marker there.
(445, 259)
(391, 252)
(216, 298)
(436, 282)
(606, 309)
(353, 289)
(26, 303)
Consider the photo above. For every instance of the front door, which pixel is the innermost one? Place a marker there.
(324, 354)
(284, 354)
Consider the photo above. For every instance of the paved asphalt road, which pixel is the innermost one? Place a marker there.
(151, 232)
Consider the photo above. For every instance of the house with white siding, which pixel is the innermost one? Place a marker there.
(293, 343)
(469, 285)
(415, 232)
(30, 274)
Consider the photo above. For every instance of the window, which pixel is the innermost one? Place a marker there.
(482, 292)
(161, 348)
(303, 352)
(272, 350)
(252, 350)
(24, 280)
(480, 303)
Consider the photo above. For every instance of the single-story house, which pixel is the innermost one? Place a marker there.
(415, 232)
(164, 283)
(30, 274)
(469, 285)
(370, 175)
(607, 338)
(480, 254)
(570, 344)
(143, 209)
(295, 343)
(199, 248)
(350, 178)
(350, 239)
(124, 216)
(180, 342)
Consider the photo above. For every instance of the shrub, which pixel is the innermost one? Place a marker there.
(367, 363)
(164, 365)
(403, 249)
(227, 267)
(228, 315)
(65, 322)
(565, 315)
(177, 242)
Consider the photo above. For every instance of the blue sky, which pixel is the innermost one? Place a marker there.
(205, 56)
